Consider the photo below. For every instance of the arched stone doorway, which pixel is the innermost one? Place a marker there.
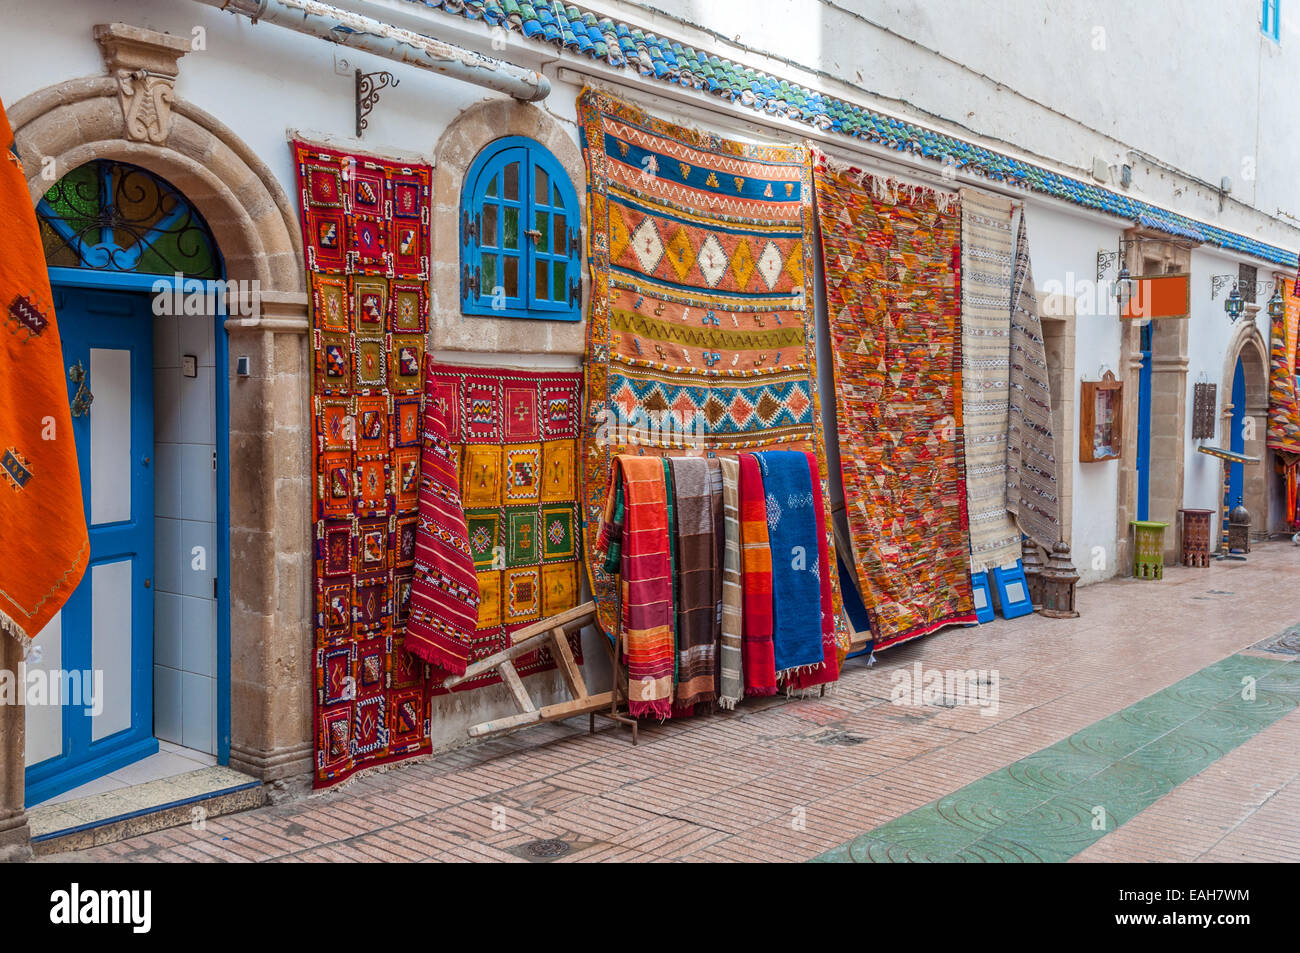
(253, 221)
(1245, 365)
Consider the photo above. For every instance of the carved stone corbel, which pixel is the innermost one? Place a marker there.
(143, 63)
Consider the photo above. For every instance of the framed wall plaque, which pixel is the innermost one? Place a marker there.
(1101, 419)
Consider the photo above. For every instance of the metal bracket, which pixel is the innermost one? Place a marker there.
(368, 87)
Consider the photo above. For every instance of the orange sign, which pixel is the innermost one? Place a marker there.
(1159, 296)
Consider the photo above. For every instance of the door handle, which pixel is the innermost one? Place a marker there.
(82, 400)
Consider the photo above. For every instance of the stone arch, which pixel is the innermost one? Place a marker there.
(461, 142)
(1248, 344)
(255, 225)
(250, 215)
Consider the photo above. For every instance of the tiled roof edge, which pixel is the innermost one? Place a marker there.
(582, 32)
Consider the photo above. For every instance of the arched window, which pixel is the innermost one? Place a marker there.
(520, 235)
(112, 216)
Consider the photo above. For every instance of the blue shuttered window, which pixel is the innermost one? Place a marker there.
(1270, 20)
(519, 235)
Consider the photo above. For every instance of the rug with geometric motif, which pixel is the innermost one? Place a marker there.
(699, 335)
(516, 436)
(365, 227)
(892, 256)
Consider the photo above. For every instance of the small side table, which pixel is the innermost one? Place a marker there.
(1196, 537)
(1148, 549)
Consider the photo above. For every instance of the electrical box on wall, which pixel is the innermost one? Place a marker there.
(189, 365)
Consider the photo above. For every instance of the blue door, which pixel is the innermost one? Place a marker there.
(1144, 426)
(1237, 438)
(103, 639)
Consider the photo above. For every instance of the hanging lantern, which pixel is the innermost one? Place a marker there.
(1276, 306)
(1239, 528)
(1234, 304)
(1124, 288)
(1058, 580)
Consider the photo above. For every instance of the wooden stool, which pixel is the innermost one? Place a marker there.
(1148, 549)
(1196, 537)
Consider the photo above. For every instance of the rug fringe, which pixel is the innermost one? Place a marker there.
(10, 627)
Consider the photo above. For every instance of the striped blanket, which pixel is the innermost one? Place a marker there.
(830, 670)
(756, 582)
(731, 686)
(698, 577)
(444, 590)
(645, 580)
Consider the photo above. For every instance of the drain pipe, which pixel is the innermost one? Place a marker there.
(361, 32)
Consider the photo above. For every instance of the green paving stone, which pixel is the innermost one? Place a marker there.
(1053, 831)
(1041, 808)
(925, 832)
(992, 801)
(1057, 769)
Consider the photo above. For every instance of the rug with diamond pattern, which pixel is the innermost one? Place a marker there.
(699, 337)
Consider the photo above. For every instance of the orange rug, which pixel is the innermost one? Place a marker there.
(43, 547)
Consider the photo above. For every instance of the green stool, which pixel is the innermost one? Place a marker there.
(1148, 549)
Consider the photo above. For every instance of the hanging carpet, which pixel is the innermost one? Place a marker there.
(365, 233)
(892, 255)
(45, 544)
(1031, 490)
(986, 273)
(699, 336)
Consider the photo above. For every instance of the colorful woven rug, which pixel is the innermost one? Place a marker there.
(1031, 493)
(1283, 391)
(635, 521)
(45, 546)
(891, 257)
(986, 273)
(515, 436)
(444, 590)
(365, 226)
(698, 334)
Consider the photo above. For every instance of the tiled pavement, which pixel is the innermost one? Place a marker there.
(792, 779)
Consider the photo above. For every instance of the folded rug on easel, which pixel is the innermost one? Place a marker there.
(794, 542)
(44, 548)
(645, 580)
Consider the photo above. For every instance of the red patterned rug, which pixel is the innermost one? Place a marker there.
(365, 232)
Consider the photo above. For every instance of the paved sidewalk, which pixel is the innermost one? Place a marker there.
(785, 780)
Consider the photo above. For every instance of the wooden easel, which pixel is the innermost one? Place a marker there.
(551, 633)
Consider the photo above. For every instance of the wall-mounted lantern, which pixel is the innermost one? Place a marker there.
(1234, 304)
(1276, 305)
